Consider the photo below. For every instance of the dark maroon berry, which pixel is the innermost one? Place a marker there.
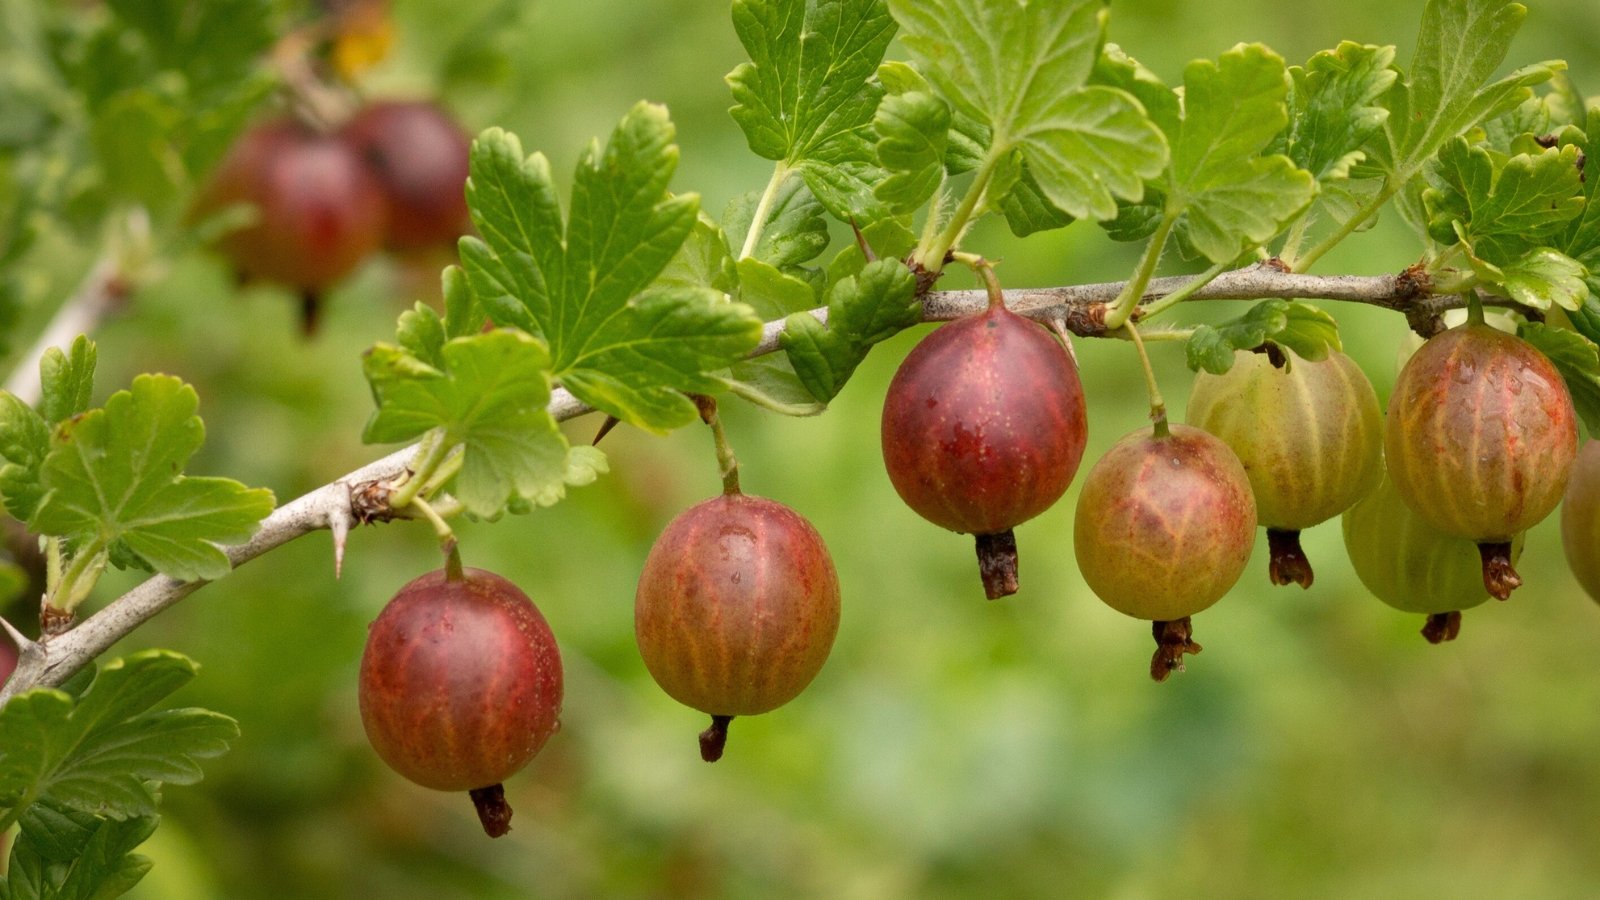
(419, 155)
(983, 429)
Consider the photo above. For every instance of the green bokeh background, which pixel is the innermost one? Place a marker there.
(952, 747)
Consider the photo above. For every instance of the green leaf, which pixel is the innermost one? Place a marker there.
(1332, 108)
(1544, 276)
(64, 854)
(1461, 44)
(704, 260)
(487, 392)
(1231, 198)
(913, 132)
(795, 231)
(1577, 358)
(1294, 325)
(212, 42)
(808, 81)
(862, 310)
(617, 343)
(1502, 206)
(24, 443)
(115, 474)
(1021, 69)
(1582, 238)
(67, 381)
(104, 752)
(132, 137)
(807, 96)
(1028, 210)
(462, 314)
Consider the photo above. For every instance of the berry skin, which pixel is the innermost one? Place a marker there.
(1580, 520)
(461, 685)
(319, 212)
(1309, 435)
(419, 155)
(1411, 565)
(983, 429)
(1164, 527)
(1480, 439)
(736, 610)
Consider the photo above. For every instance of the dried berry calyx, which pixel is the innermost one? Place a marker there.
(461, 685)
(1480, 439)
(983, 429)
(1164, 527)
(736, 609)
(1309, 434)
(1412, 566)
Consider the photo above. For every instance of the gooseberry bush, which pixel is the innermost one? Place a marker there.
(892, 128)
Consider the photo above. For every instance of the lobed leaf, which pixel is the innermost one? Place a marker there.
(584, 287)
(1577, 358)
(862, 310)
(1502, 206)
(1333, 107)
(115, 475)
(1021, 70)
(103, 753)
(1292, 324)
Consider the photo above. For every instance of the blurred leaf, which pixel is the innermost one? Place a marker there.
(1022, 70)
(617, 343)
(115, 474)
(1332, 109)
(1577, 358)
(212, 42)
(132, 134)
(487, 392)
(24, 443)
(1230, 198)
(104, 752)
(71, 855)
(1307, 330)
(862, 310)
(67, 381)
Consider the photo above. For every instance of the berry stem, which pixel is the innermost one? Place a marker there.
(1128, 299)
(985, 270)
(715, 738)
(1474, 309)
(1499, 577)
(1288, 564)
(727, 463)
(1442, 627)
(997, 563)
(1174, 640)
(930, 255)
(1158, 406)
(493, 810)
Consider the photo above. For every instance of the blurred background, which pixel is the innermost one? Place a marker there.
(952, 747)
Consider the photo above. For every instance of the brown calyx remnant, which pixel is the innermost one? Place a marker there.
(1442, 627)
(369, 502)
(1174, 640)
(1087, 320)
(997, 563)
(54, 621)
(493, 810)
(715, 738)
(1289, 564)
(1498, 575)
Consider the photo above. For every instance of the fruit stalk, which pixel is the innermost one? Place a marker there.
(727, 463)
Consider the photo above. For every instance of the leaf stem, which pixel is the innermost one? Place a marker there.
(1181, 294)
(1158, 406)
(1390, 186)
(931, 255)
(727, 463)
(1128, 300)
(758, 219)
(78, 579)
(431, 453)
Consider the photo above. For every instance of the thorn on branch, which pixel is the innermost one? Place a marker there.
(339, 525)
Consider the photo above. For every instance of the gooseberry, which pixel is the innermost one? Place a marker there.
(736, 609)
(419, 155)
(1309, 434)
(1580, 519)
(1164, 527)
(983, 429)
(1480, 439)
(461, 685)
